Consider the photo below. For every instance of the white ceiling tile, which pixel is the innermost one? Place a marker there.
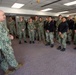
(33, 5)
(8, 1)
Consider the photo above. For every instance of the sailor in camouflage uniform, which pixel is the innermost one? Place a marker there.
(11, 25)
(31, 28)
(57, 25)
(21, 29)
(5, 47)
(36, 23)
(41, 29)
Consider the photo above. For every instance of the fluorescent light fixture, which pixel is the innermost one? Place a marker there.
(63, 12)
(48, 9)
(70, 3)
(17, 5)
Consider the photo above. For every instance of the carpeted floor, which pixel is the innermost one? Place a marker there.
(39, 59)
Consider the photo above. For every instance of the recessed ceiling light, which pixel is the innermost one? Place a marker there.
(17, 5)
(63, 12)
(70, 3)
(47, 9)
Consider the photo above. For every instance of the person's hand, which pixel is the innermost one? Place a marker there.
(62, 36)
(31, 30)
(48, 31)
(75, 31)
(68, 31)
(35, 28)
(22, 29)
(59, 33)
(11, 37)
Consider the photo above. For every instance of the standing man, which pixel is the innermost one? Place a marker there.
(41, 29)
(70, 30)
(12, 28)
(21, 29)
(36, 23)
(6, 48)
(57, 25)
(50, 32)
(45, 24)
(62, 30)
(31, 28)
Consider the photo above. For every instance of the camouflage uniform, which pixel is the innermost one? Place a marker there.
(57, 25)
(5, 46)
(21, 25)
(31, 28)
(36, 23)
(12, 28)
(41, 30)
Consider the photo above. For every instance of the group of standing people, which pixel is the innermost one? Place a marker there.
(63, 30)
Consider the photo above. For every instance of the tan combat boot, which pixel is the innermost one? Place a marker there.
(19, 65)
(9, 72)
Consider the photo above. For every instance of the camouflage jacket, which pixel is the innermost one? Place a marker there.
(4, 36)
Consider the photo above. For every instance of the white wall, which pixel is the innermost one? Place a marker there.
(27, 12)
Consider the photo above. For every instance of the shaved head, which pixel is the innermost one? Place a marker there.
(2, 16)
(1, 10)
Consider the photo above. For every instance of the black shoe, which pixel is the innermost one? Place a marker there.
(69, 43)
(17, 37)
(52, 45)
(75, 48)
(74, 43)
(25, 41)
(63, 49)
(30, 42)
(19, 42)
(33, 42)
(59, 48)
(47, 44)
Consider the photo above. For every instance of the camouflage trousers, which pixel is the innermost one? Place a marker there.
(13, 31)
(41, 35)
(69, 36)
(62, 41)
(36, 34)
(31, 35)
(50, 37)
(9, 58)
(22, 34)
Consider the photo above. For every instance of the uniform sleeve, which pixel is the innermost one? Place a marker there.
(67, 26)
(59, 27)
(75, 26)
(1, 37)
(13, 22)
(28, 27)
(53, 27)
(4, 35)
(24, 25)
(18, 26)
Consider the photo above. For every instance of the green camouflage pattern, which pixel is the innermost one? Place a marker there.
(7, 50)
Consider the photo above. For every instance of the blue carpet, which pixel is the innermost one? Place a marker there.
(39, 59)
